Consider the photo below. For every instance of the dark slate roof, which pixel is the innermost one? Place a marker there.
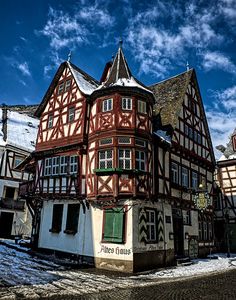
(119, 69)
(169, 96)
(24, 109)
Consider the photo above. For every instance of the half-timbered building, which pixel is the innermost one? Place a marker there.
(105, 186)
(17, 140)
(225, 198)
(184, 162)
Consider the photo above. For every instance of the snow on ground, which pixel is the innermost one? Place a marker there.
(23, 275)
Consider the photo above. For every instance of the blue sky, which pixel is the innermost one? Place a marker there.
(159, 38)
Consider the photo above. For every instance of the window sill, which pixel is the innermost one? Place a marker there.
(73, 232)
(119, 170)
(112, 242)
(53, 230)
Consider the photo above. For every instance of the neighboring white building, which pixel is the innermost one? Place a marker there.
(226, 200)
(17, 139)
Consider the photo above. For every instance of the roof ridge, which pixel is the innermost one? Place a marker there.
(188, 71)
(82, 72)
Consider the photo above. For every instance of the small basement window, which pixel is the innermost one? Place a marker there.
(72, 218)
(57, 218)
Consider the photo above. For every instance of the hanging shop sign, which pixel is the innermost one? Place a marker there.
(202, 200)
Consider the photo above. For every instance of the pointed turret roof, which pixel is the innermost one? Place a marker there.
(119, 68)
(119, 74)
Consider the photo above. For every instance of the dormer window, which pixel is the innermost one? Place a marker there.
(142, 107)
(107, 105)
(50, 121)
(60, 88)
(126, 103)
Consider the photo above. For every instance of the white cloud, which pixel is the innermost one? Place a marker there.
(222, 119)
(158, 44)
(24, 68)
(72, 30)
(217, 60)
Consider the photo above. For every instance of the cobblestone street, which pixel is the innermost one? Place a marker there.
(23, 276)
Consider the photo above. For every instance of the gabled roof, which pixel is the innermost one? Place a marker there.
(85, 82)
(18, 130)
(169, 96)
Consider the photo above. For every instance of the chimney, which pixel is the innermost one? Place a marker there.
(4, 122)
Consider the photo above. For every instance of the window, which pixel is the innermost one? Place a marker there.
(195, 137)
(105, 159)
(67, 85)
(113, 230)
(72, 218)
(48, 166)
(187, 217)
(126, 103)
(190, 132)
(50, 121)
(200, 232)
(124, 159)
(9, 192)
(57, 218)
(73, 164)
(106, 141)
(107, 105)
(17, 161)
(210, 234)
(151, 225)
(184, 177)
(140, 160)
(124, 140)
(140, 143)
(55, 165)
(71, 114)
(60, 88)
(205, 230)
(199, 138)
(194, 180)
(174, 173)
(142, 107)
(186, 129)
(63, 164)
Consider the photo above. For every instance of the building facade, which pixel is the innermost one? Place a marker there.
(225, 199)
(17, 140)
(115, 175)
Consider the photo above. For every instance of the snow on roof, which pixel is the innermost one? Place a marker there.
(21, 130)
(163, 135)
(85, 84)
(126, 82)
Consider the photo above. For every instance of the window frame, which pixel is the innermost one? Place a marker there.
(142, 107)
(71, 116)
(67, 85)
(55, 165)
(72, 218)
(56, 225)
(107, 230)
(151, 224)
(174, 173)
(107, 105)
(126, 103)
(122, 159)
(60, 88)
(50, 121)
(48, 166)
(106, 160)
(184, 177)
(73, 164)
(139, 160)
